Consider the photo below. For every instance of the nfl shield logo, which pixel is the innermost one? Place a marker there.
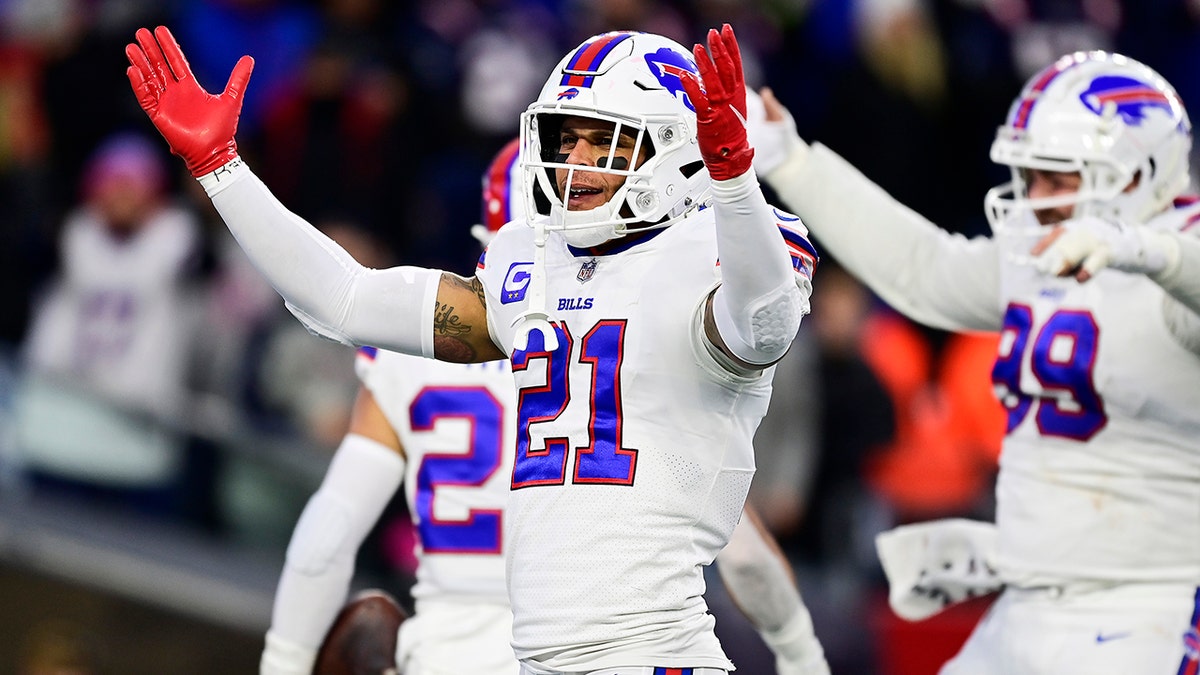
(586, 271)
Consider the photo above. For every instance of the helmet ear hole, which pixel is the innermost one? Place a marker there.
(692, 168)
(549, 128)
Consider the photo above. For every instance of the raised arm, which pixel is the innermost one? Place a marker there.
(943, 280)
(407, 309)
(755, 313)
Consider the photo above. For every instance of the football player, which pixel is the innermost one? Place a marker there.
(641, 304)
(1092, 278)
(446, 431)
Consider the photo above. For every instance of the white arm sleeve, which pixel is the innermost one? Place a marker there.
(759, 304)
(760, 582)
(361, 480)
(940, 279)
(329, 291)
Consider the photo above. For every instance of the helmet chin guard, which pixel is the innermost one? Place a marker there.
(1111, 119)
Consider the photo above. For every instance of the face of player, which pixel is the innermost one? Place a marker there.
(585, 141)
(1041, 184)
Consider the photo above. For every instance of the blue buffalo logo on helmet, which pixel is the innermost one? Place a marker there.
(668, 66)
(568, 94)
(1130, 96)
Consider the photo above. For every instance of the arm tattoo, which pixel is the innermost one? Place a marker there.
(477, 286)
(447, 322)
(451, 336)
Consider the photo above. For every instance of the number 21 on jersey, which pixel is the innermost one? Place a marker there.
(603, 460)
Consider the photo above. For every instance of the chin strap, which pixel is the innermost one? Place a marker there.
(535, 317)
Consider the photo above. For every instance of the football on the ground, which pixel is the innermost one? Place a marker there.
(362, 639)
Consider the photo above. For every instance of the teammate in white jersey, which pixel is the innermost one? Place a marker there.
(1092, 278)
(447, 432)
(642, 305)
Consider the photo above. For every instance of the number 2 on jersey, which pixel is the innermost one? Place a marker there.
(1062, 357)
(480, 531)
(603, 459)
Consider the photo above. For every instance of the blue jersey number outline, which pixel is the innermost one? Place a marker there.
(1072, 377)
(481, 531)
(604, 459)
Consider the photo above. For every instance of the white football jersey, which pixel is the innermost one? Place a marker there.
(633, 446)
(455, 423)
(1100, 470)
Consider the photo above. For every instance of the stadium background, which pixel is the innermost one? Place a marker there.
(376, 119)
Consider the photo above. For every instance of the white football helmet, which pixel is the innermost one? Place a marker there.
(1106, 116)
(631, 80)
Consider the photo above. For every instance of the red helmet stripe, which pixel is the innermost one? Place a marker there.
(588, 57)
(1021, 116)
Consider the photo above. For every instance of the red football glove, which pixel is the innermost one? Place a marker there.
(198, 126)
(721, 106)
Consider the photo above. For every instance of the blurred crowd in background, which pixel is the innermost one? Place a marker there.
(145, 366)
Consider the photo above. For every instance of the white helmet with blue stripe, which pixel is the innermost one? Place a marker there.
(631, 80)
(1112, 119)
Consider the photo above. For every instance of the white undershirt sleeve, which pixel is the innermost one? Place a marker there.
(329, 291)
(937, 278)
(362, 478)
(759, 304)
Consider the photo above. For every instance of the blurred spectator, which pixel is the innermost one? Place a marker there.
(943, 457)
(907, 431)
(653, 16)
(901, 46)
(332, 141)
(447, 157)
(25, 242)
(786, 450)
(857, 420)
(977, 420)
(504, 68)
(832, 547)
(108, 354)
